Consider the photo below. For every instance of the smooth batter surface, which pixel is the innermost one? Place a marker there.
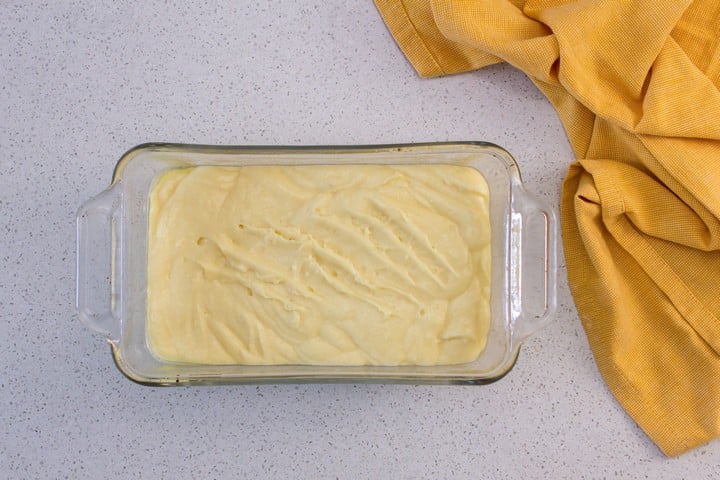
(332, 265)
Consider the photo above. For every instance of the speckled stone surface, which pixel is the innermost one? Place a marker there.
(81, 82)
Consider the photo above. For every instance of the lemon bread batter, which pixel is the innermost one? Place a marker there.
(332, 265)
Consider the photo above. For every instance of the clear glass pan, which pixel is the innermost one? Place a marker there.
(112, 261)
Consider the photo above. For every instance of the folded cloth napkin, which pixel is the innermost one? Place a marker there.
(635, 83)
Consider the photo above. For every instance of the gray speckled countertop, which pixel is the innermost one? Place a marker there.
(81, 82)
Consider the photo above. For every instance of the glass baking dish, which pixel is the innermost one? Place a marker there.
(112, 261)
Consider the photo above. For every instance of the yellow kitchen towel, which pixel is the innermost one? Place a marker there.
(635, 83)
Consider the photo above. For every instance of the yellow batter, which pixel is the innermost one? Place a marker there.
(330, 265)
